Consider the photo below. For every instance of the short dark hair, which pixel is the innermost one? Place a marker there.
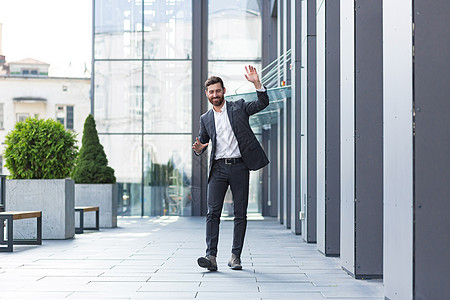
(213, 80)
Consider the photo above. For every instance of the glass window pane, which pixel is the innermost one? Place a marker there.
(1, 115)
(118, 29)
(125, 157)
(168, 29)
(167, 98)
(118, 96)
(167, 175)
(232, 74)
(234, 30)
(69, 121)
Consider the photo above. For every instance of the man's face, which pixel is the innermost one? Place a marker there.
(215, 94)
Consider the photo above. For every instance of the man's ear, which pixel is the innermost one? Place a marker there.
(224, 90)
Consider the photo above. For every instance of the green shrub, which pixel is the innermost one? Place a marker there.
(40, 149)
(92, 165)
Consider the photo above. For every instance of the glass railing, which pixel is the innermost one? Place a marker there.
(277, 98)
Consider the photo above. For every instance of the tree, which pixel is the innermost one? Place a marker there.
(92, 164)
(40, 149)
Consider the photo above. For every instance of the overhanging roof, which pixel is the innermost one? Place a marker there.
(29, 99)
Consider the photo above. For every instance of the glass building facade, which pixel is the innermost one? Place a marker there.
(142, 92)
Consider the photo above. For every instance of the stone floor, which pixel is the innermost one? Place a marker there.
(155, 258)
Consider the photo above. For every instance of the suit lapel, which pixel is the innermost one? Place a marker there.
(230, 113)
(211, 125)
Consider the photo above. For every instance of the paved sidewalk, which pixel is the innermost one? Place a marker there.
(156, 258)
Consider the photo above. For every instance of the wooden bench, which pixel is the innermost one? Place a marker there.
(7, 219)
(82, 210)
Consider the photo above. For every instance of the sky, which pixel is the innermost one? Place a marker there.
(58, 32)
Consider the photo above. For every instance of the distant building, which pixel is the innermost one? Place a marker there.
(28, 67)
(26, 90)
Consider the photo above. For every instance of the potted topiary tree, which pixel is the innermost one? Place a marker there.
(94, 179)
(40, 155)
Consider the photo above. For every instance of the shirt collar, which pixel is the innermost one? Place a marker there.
(223, 109)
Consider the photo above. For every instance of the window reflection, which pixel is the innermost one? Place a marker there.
(167, 99)
(167, 175)
(118, 96)
(125, 157)
(234, 29)
(167, 29)
(133, 98)
(118, 29)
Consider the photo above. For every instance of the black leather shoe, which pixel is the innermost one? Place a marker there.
(209, 262)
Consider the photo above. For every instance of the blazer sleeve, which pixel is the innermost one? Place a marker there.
(258, 105)
(202, 136)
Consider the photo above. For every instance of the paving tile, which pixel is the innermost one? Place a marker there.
(228, 295)
(357, 298)
(221, 286)
(292, 296)
(33, 295)
(163, 295)
(287, 287)
(275, 270)
(179, 286)
(282, 277)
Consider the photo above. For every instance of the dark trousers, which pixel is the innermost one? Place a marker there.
(237, 177)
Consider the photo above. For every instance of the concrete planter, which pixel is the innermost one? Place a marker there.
(54, 197)
(102, 195)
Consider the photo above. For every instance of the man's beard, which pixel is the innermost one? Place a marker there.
(217, 101)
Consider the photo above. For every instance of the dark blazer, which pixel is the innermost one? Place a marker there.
(238, 113)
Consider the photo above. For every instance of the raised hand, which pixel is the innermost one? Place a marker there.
(252, 76)
(197, 146)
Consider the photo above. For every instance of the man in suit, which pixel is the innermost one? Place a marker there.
(235, 151)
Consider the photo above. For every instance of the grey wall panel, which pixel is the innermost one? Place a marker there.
(332, 128)
(304, 121)
(347, 135)
(273, 171)
(280, 169)
(320, 125)
(310, 234)
(265, 188)
(431, 149)
(286, 166)
(280, 35)
(369, 140)
(311, 17)
(296, 112)
(269, 34)
(287, 163)
(287, 23)
(311, 209)
(397, 149)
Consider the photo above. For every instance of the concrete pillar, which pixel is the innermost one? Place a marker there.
(328, 127)
(296, 114)
(309, 198)
(416, 149)
(361, 139)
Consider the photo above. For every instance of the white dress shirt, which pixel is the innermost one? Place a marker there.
(226, 143)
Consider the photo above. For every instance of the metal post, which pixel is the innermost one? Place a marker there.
(199, 103)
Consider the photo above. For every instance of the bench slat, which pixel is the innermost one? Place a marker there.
(18, 215)
(87, 208)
